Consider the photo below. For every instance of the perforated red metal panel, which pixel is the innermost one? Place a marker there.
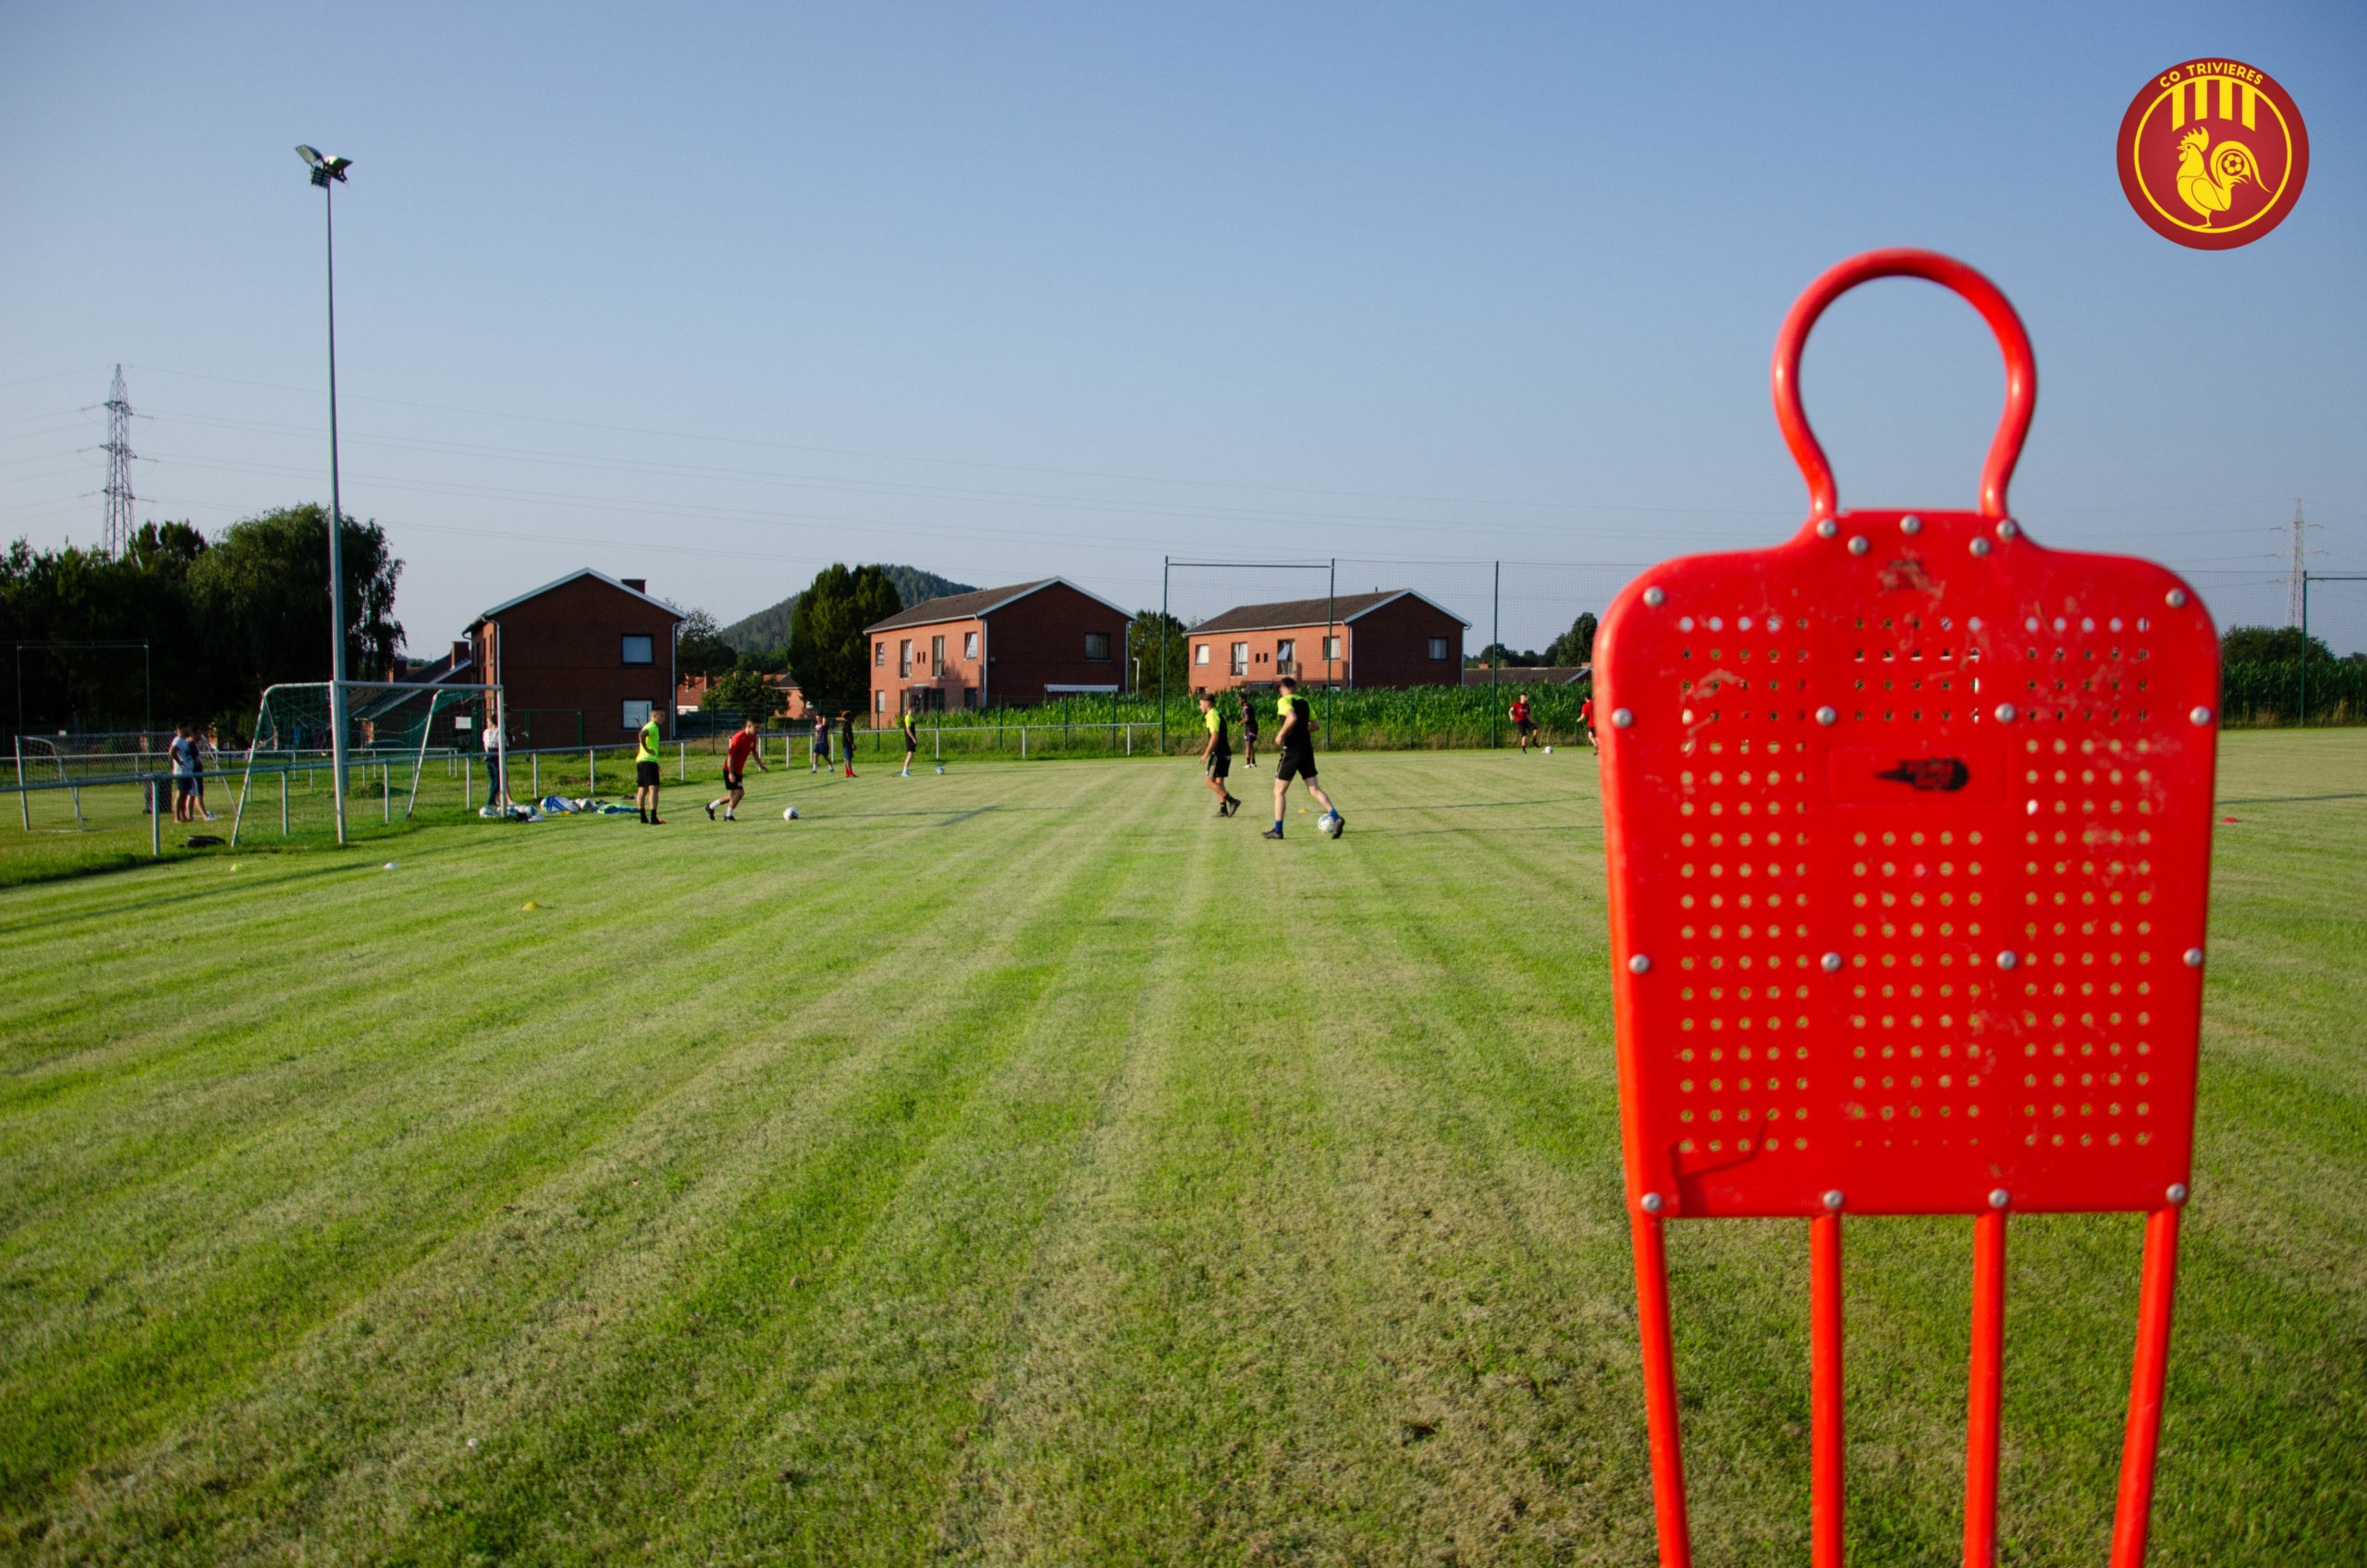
(1908, 828)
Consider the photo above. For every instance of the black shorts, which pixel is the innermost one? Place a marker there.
(184, 787)
(645, 776)
(1291, 763)
(733, 780)
(1220, 763)
(1249, 733)
(1525, 726)
(911, 744)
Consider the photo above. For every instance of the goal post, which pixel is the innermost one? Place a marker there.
(1169, 565)
(309, 726)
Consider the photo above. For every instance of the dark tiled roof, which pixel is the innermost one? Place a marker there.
(1302, 612)
(957, 606)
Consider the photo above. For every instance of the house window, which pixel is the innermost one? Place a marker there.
(1097, 647)
(637, 714)
(905, 658)
(1241, 658)
(970, 695)
(1200, 654)
(970, 646)
(878, 655)
(640, 650)
(1437, 650)
(879, 702)
(1285, 650)
(1331, 648)
(937, 656)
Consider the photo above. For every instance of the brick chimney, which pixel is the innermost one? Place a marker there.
(638, 584)
(461, 653)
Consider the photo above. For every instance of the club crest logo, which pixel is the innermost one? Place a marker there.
(2212, 153)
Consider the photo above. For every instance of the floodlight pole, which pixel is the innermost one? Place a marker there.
(1162, 654)
(336, 530)
(1330, 637)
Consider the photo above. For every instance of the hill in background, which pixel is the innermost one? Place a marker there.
(769, 629)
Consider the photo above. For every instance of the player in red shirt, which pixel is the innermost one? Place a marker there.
(1521, 722)
(735, 767)
(1586, 722)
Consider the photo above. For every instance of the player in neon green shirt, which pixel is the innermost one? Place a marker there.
(1294, 756)
(646, 771)
(1215, 756)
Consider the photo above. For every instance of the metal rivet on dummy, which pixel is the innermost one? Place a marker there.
(1639, 964)
(2177, 1192)
(1622, 718)
(1826, 528)
(1832, 962)
(2005, 713)
(2199, 715)
(2007, 529)
(1827, 716)
(1654, 598)
(2176, 597)
(1980, 546)
(1858, 546)
(2008, 959)
(1910, 524)
(1833, 1200)
(1650, 1203)
(1999, 1198)
(2194, 958)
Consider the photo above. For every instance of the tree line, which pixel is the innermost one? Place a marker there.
(221, 617)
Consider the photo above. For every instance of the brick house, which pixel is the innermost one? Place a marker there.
(996, 647)
(690, 695)
(1389, 639)
(584, 660)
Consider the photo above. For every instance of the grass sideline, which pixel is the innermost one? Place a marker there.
(1018, 1165)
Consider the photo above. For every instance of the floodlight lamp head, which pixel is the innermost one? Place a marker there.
(326, 166)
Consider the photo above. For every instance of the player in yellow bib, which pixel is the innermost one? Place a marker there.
(1215, 756)
(646, 771)
(1294, 756)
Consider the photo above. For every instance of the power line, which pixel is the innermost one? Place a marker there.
(116, 540)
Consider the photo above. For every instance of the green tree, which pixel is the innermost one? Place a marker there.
(746, 693)
(701, 649)
(1150, 636)
(2272, 645)
(828, 655)
(70, 596)
(262, 599)
(1577, 644)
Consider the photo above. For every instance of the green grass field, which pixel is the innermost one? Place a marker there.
(1020, 1166)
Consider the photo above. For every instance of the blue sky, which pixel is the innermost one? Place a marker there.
(713, 296)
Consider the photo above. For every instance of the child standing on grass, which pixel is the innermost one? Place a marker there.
(817, 749)
(1294, 756)
(647, 773)
(735, 770)
(1215, 756)
(846, 738)
(183, 750)
(911, 740)
(1248, 731)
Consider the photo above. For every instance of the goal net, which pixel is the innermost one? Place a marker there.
(409, 750)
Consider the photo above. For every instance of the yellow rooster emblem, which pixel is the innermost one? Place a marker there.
(2208, 176)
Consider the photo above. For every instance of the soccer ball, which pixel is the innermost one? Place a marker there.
(940, 767)
(789, 813)
(1328, 825)
(1548, 751)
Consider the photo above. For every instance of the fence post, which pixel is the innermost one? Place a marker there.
(24, 802)
(1023, 742)
(156, 826)
(283, 801)
(682, 761)
(535, 771)
(590, 770)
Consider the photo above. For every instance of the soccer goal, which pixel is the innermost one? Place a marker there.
(396, 737)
